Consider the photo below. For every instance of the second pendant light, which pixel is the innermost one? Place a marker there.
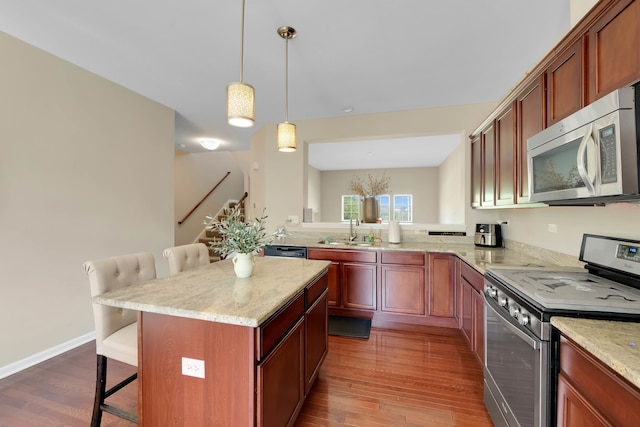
(286, 131)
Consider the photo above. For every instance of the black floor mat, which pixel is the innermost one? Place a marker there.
(355, 327)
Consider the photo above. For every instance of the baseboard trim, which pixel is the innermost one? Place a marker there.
(32, 360)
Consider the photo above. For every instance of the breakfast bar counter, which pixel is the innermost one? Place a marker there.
(214, 349)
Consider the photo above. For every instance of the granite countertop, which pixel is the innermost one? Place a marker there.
(478, 257)
(213, 292)
(616, 344)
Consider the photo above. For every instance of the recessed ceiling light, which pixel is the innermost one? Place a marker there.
(210, 143)
(347, 109)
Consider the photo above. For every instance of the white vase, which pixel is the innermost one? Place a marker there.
(243, 265)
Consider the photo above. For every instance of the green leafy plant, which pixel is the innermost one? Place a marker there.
(238, 236)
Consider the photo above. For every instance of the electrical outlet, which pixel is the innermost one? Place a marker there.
(553, 228)
(193, 367)
(293, 219)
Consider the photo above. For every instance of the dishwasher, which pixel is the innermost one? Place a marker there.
(286, 251)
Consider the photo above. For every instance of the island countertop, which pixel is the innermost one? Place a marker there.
(214, 293)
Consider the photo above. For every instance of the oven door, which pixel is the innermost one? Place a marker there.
(516, 372)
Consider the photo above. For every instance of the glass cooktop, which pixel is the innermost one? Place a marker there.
(571, 289)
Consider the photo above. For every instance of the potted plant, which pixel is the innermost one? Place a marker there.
(368, 190)
(240, 239)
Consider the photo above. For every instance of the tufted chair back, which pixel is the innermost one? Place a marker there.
(186, 257)
(114, 273)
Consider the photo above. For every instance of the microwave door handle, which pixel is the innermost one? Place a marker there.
(582, 161)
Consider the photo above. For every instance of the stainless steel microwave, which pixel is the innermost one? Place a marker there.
(590, 157)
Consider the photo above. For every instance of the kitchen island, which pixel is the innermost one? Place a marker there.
(217, 350)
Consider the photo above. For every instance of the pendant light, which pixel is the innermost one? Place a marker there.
(286, 130)
(240, 96)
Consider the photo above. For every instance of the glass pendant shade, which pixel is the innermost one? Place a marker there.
(240, 105)
(286, 137)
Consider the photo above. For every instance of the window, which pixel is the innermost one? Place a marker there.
(350, 207)
(403, 207)
(385, 207)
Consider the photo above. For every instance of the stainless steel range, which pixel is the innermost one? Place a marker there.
(521, 354)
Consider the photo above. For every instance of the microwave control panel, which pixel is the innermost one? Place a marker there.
(608, 155)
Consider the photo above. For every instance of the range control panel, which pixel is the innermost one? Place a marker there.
(628, 253)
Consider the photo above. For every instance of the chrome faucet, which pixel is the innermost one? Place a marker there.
(353, 234)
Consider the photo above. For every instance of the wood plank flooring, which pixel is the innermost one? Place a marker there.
(394, 378)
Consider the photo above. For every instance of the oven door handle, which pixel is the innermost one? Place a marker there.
(533, 343)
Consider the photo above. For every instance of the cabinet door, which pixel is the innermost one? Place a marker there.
(574, 410)
(505, 156)
(333, 276)
(466, 294)
(478, 325)
(441, 285)
(280, 381)
(359, 286)
(316, 339)
(530, 119)
(488, 155)
(565, 83)
(476, 172)
(614, 53)
(403, 289)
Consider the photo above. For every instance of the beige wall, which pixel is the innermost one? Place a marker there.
(452, 177)
(86, 171)
(314, 194)
(579, 8)
(195, 175)
(422, 183)
(284, 184)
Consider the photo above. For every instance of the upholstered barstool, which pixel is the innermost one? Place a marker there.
(116, 328)
(185, 257)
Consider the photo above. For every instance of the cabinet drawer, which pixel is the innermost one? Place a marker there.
(315, 289)
(342, 255)
(472, 276)
(403, 258)
(274, 329)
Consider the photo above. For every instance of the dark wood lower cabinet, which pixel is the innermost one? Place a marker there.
(471, 307)
(403, 290)
(591, 394)
(316, 339)
(280, 381)
(359, 286)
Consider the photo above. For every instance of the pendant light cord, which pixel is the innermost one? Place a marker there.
(242, 45)
(286, 81)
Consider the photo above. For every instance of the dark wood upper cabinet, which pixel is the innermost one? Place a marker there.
(488, 156)
(505, 129)
(530, 119)
(476, 172)
(565, 83)
(599, 55)
(614, 49)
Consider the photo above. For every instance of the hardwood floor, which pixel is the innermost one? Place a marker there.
(394, 378)
(398, 379)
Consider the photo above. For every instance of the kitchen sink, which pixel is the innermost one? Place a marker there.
(346, 243)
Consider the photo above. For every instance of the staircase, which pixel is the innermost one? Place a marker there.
(210, 235)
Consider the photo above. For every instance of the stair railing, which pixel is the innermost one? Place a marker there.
(203, 199)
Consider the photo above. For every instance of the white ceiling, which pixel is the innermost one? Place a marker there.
(372, 55)
(423, 151)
